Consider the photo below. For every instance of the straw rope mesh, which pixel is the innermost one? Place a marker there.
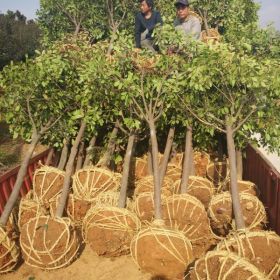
(261, 248)
(212, 36)
(222, 265)
(145, 63)
(11, 227)
(173, 172)
(187, 214)
(246, 187)
(201, 161)
(162, 252)
(146, 184)
(76, 208)
(144, 206)
(221, 214)
(9, 252)
(177, 160)
(199, 187)
(29, 208)
(49, 243)
(47, 183)
(109, 230)
(218, 173)
(91, 181)
(141, 167)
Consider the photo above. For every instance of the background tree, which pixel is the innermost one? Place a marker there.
(18, 37)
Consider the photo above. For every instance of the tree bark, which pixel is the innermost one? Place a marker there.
(237, 210)
(168, 146)
(20, 177)
(239, 163)
(150, 160)
(64, 155)
(80, 156)
(106, 158)
(69, 170)
(187, 165)
(50, 157)
(126, 170)
(88, 150)
(157, 186)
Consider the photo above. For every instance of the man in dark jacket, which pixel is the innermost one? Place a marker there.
(145, 22)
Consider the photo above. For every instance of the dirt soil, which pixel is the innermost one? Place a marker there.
(87, 267)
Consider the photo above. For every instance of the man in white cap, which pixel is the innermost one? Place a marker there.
(186, 22)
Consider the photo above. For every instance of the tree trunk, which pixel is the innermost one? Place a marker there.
(69, 170)
(168, 146)
(126, 170)
(88, 150)
(187, 165)
(239, 220)
(150, 160)
(106, 158)
(80, 156)
(77, 29)
(64, 155)
(20, 177)
(157, 186)
(239, 162)
(112, 40)
(50, 157)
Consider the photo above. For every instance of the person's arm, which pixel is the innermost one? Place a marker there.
(137, 32)
(196, 29)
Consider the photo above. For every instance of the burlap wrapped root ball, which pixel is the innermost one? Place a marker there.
(144, 206)
(146, 184)
(162, 252)
(173, 172)
(177, 160)
(199, 187)
(109, 230)
(49, 243)
(212, 35)
(47, 183)
(245, 187)
(141, 167)
(221, 214)
(201, 161)
(89, 182)
(222, 265)
(261, 248)
(29, 208)
(76, 208)
(9, 252)
(218, 174)
(187, 214)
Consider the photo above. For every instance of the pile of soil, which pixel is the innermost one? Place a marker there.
(109, 230)
(173, 172)
(49, 243)
(141, 167)
(87, 267)
(163, 253)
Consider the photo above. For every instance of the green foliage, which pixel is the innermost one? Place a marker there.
(18, 37)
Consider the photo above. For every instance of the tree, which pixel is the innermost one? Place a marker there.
(229, 94)
(18, 37)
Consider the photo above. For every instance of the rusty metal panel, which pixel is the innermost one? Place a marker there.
(8, 179)
(258, 170)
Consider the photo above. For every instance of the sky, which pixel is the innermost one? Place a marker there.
(270, 10)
